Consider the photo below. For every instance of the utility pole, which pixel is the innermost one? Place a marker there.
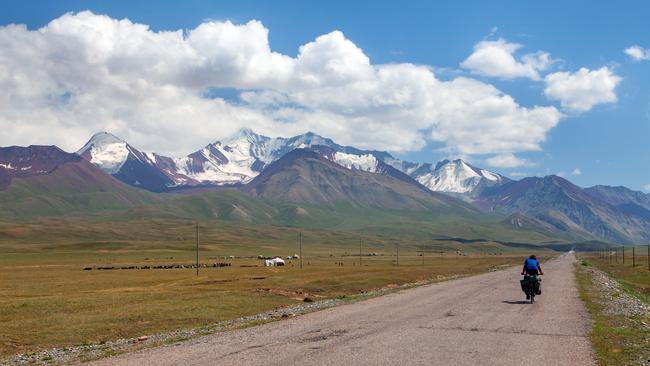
(197, 249)
(633, 258)
(300, 240)
(397, 246)
(360, 243)
(623, 255)
(423, 255)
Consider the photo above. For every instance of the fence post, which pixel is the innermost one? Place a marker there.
(633, 258)
(623, 255)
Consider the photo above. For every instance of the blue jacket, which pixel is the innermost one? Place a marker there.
(532, 264)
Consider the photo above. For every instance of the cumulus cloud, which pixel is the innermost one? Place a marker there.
(581, 90)
(646, 187)
(576, 171)
(83, 73)
(508, 161)
(497, 59)
(638, 53)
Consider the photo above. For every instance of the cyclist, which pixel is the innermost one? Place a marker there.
(533, 269)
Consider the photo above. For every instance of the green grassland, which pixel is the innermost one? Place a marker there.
(233, 206)
(48, 299)
(70, 189)
(617, 339)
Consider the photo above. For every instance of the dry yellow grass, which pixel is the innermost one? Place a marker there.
(48, 300)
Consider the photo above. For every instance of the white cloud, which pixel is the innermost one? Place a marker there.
(83, 73)
(518, 175)
(646, 187)
(582, 90)
(638, 53)
(576, 171)
(497, 59)
(508, 161)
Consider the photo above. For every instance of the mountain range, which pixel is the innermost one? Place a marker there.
(309, 178)
(240, 158)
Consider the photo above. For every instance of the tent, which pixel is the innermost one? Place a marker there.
(275, 262)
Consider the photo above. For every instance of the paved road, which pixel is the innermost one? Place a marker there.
(481, 320)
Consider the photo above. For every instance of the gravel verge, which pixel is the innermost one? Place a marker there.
(616, 300)
(626, 313)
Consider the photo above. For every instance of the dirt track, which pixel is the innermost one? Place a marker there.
(481, 320)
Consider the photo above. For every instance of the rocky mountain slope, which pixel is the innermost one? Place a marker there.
(566, 208)
(311, 176)
(45, 180)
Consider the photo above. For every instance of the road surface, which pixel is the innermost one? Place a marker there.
(482, 320)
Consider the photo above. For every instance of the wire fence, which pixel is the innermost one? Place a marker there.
(631, 255)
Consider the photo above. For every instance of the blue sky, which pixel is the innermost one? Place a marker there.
(607, 143)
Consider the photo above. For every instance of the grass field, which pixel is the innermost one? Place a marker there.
(617, 339)
(48, 299)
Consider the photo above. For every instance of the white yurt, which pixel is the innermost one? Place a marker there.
(275, 262)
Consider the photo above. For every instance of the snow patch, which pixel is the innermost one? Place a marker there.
(106, 151)
(490, 176)
(151, 157)
(109, 157)
(367, 162)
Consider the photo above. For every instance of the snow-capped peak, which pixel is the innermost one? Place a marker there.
(242, 156)
(107, 151)
(244, 134)
(454, 176)
(102, 138)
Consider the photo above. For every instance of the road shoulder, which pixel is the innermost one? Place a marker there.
(620, 333)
